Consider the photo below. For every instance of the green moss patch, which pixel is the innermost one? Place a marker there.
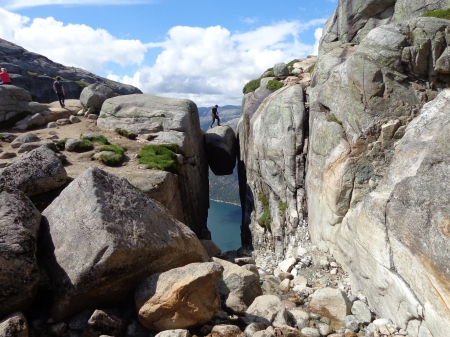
(441, 14)
(61, 145)
(274, 85)
(81, 84)
(2, 138)
(84, 146)
(115, 159)
(252, 86)
(290, 65)
(102, 140)
(264, 219)
(160, 157)
(125, 133)
(32, 73)
(333, 118)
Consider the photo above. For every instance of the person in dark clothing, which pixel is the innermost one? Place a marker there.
(214, 115)
(59, 89)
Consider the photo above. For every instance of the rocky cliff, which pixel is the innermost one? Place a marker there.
(36, 74)
(357, 160)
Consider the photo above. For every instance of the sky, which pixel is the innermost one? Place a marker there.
(203, 50)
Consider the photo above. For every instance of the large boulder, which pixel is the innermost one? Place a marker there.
(24, 138)
(161, 186)
(15, 104)
(94, 95)
(15, 325)
(239, 286)
(221, 150)
(353, 20)
(331, 303)
(36, 74)
(269, 310)
(280, 69)
(19, 226)
(130, 238)
(181, 298)
(38, 172)
(168, 121)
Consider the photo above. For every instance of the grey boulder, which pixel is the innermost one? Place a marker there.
(267, 309)
(94, 95)
(280, 69)
(38, 172)
(24, 138)
(19, 226)
(120, 237)
(27, 147)
(15, 325)
(221, 150)
(240, 286)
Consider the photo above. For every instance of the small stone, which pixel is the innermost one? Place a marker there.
(57, 329)
(311, 332)
(71, 144)
(324, 264)
(324, 329)
(92, 117)
(334, 265)
(285, 285)
(333, 271)
(63, 121)
(294, 272)
(7, 155)
(241, 261)
(362, 298)
(80, 112)
(362, 312)
(74, 119)
(52, 125)
(352, 323)
(251, 329)
(287, 264)
(284, 276)
(301, 251)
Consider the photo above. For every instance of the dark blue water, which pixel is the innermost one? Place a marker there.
(224, 222)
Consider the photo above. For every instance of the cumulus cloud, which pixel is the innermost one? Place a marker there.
(207, 65)
(72, 44)
(17, 4)
(211, 65)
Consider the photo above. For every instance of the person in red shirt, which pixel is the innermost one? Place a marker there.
(4, 77)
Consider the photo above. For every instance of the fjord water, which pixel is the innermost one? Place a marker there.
(224, 222)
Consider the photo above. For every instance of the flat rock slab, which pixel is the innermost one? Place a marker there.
(19, 226)
(38, 172)
(180, 298)
(120, 236)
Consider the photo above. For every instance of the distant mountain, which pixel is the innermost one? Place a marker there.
(222, 188)
(229, 115)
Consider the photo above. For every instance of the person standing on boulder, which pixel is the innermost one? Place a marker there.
(59, 89)
(215, 115)
(4, 77)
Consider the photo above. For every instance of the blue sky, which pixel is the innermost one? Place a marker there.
(204, 50)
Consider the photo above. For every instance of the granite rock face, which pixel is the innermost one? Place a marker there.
(19, 226)
(354, 19)
(130, 238)
(168, 121)
(221, 150)
(370, 172)
(36, 73)
(271, 167)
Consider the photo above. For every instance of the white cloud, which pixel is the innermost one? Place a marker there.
(211, 65)
(74, 45)
(208, 65)
(17, 4)
(249, 21)
(318, 36)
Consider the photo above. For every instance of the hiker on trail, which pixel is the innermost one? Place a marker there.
(4, 77)
(215, 115)
(59, 89)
